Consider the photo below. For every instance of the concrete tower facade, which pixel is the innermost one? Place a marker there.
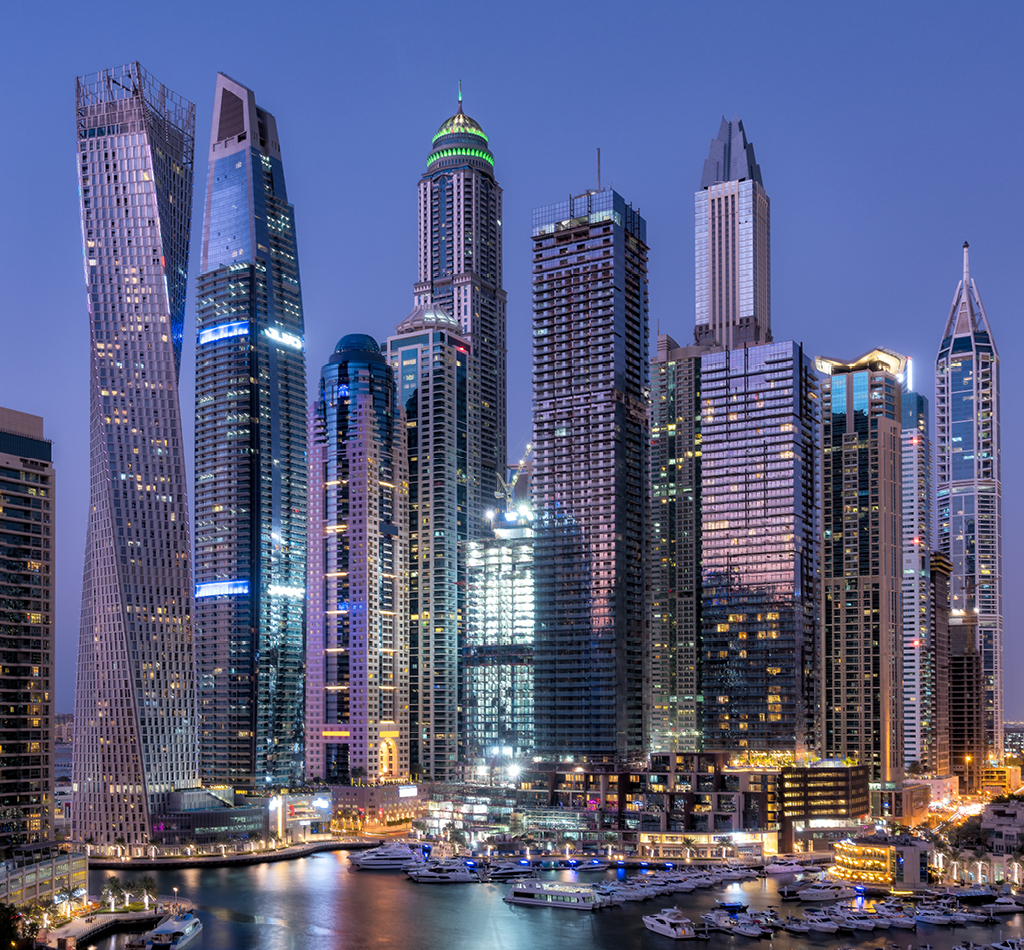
(250, 457)
(135, 701)
(862, 502)
(439, 392)
(732, 226)
(357, 709)
(591, 462)
(968, 483)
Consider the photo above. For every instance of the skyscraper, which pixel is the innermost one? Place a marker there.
(135, 702)
(760, 556)
(676, 422)
(28, 572)
(357, 710)
(432, 360)
(250, 462)
(968, 484)
(590, 475)
(918, 649)
(733, 244)
(497, 664)
(460, 271)
(861, 640)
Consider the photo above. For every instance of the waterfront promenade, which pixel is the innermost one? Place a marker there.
(225, 859)
(83, 928)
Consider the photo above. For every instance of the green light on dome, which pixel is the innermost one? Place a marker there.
(453, 152)
(453, 129)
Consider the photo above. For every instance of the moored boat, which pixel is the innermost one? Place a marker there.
(553, 894)
(671, 923)
(174, 933)
(826, 891)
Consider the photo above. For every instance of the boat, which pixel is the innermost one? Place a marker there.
(795, 925)
(784, 867)
(594, 864)
(1010, 943)
(444, 874)
(820, 922)
(553, 894)
(934, 916)
(826, 891)
(1003, 905)
(173, 933)
(506, 872)
(850, 919)
(671, 923)
(970, 945)
(393, 856)
(732, 906)
(791, 892)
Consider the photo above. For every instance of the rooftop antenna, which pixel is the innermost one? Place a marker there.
(460, 95)
(599, 168)
(967, 272)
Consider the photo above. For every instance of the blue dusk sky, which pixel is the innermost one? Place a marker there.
(886, 134)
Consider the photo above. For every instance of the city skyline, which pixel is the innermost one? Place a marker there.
(830, 138)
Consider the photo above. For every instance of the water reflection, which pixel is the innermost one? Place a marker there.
(320, 902)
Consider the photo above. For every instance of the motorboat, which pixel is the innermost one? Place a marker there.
(850, 919)
(899, 919)
(826, 891)
(553, 894)
(820, 922)
(936, 916)
(733, 907)
(795, 925)
(174, 932)
(1010, 943)
(671, 923)
(444, 874)
(394, 856)
(1003, 905)
(784, 867)
(506, 872)
(791, 892)
(593, 864)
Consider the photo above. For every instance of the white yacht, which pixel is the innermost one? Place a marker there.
(174, 933)
(553, 894)
(826, 891)
(593, 864)
(820, 922)
(1003, 905)
(508, 871)
(671, 923)
(784, 867)
(393, 856)
(444, 874)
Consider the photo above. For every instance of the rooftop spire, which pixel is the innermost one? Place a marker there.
(460, 95)
(967, 271)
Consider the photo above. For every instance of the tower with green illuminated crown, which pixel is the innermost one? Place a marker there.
(453, 391)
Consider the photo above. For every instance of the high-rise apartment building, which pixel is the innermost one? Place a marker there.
(135, 701)
(676, 431)
(917, 539)
(357, 707)
(733, 244)
(497, 660)
(28, 573)
(250, 457)
(590, 476)
(968, 483)
(861, 638)
(760, 550)
(459, 265)
(432, 361)
(938, 604)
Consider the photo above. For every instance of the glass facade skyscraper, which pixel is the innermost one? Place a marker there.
(969, 485)
(135, 702)
(357, 707)
(862, 619)
(760, 557)
(250, 457)
(28, 539)
(591, 381)
(432, 360)
(497, 664)
(732, 229)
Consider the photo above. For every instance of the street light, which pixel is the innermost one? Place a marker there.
(175, 899)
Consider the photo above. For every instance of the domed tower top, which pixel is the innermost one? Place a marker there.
(460, 141)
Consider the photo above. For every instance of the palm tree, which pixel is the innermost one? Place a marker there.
(689, 844)
(1018, 857)
(112, 891)
(957, 857)
(64, 896)
(147, 886)
(127, 889)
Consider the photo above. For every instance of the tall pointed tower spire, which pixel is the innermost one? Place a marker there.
(967, 269)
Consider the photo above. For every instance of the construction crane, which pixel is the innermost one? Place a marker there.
(507, 489)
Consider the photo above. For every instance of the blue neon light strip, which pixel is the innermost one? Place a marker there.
(223, 332)
(221, 588)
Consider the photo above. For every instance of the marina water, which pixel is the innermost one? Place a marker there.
(318, 902)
